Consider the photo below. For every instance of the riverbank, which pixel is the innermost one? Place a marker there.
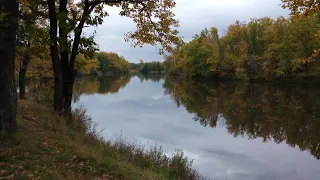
(300, 80)
(47, 147)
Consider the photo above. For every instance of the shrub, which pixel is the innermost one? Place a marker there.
(241, 74)
(176, 166)
(173, 71)
(44, 96)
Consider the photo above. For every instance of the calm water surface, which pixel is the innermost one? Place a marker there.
(231, 130)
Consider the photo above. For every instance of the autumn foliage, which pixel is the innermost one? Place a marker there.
(262, 48)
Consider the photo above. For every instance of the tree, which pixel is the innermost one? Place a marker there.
(32, 41)
(111, 63)
(134, 66)
(154, 20)
(86, 66)
(8, 94)
(152, 67)
(306, 8)
(260, 49)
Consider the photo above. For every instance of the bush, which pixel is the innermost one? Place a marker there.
(83, 123)
(176, 166)
(241, 74)
(173, 71)
(44, 96)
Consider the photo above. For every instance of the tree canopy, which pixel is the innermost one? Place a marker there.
(262, 48)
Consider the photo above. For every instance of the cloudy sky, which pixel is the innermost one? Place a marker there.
(194, 15)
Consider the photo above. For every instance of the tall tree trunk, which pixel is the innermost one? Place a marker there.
(8, 93)
(64, 56)
(58, 81)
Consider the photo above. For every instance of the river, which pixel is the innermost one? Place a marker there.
(231, 130)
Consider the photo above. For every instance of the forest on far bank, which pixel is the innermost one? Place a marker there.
(265, 49)
(101, 64)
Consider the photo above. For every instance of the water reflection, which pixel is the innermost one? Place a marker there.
(267, 111)
(151, 77)
(100, 85)
(231, 130)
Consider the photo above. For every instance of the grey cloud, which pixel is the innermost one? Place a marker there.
(225, 153)
(131, 119)
(278, 175)
(193, 16)
(179, 130)
(240, 175)
(158, 138)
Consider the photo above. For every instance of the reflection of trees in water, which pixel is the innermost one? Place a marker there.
(83, 85)
(111, 85)
(147, 77)
(101, 85)
(289, 114)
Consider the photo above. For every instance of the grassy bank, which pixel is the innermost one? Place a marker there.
(47, 147)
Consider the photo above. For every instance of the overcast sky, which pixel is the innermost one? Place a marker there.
(194, 15)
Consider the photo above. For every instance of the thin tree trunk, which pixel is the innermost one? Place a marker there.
(22, 73)
(8, 93)
(22, 84)
(58, 81)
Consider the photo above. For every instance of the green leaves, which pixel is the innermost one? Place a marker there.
(261, 47)
(2, 16)
(112, 62)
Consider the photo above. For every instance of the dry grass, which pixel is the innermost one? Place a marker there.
(46, 147)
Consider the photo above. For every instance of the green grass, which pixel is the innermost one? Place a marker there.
(46, 147)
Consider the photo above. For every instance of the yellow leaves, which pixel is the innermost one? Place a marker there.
(155, 23)
(112, 62)
(305, 7)
(85, 64)
(315, 53)
(39, 67)
(243, 48)
(310, 59)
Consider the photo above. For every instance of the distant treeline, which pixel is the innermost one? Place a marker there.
(112, 63)
(154, 67)
(101, 64)
(263, 48)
